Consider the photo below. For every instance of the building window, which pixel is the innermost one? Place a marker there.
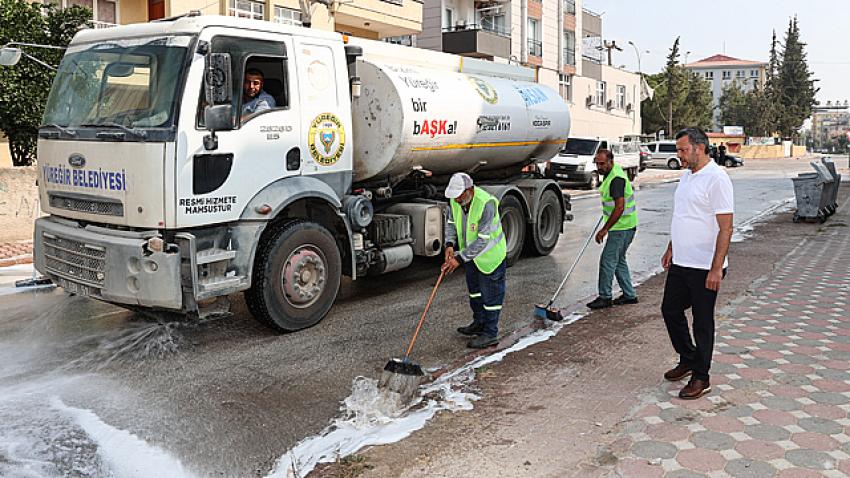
(727, 75)
(287, 16)
(253, 9)
(104, 12)
(569, 48)
(570, 7)
(448, 19)
(754, 73)
(739, 74)
(406, 40)
(492, 19)
(709, 75)
(565, 86)
(621, 97)
(535, 45)
(600, 93)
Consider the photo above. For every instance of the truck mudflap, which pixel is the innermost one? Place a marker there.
(110, 265)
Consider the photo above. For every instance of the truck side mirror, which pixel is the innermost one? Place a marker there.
(218, 83)
(216, 118)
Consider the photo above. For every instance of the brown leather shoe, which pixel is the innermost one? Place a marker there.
(695, 389)
(677, 373)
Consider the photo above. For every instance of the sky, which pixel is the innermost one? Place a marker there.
(737, 28)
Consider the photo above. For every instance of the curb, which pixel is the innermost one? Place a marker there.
(13, 261)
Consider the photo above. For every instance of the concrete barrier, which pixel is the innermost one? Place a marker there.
(762, 151)
(19, 205)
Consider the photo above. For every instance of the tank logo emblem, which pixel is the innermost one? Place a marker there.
(327, 139)
(77, 160)
(486, 90)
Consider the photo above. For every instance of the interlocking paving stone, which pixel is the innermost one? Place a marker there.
(820, 425)
(810, 459)
(713, 440)
(746, 468)
(654, 449)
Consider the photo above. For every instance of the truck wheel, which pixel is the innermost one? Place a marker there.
(632, 173)
(673, 164)
(594, 180)
(513, 225)
(547, 228)
(296, 277)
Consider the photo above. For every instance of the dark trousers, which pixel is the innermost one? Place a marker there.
(684, 289)
(486, 294)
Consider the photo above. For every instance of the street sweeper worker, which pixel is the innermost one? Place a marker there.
(619, 212)
(474, 239)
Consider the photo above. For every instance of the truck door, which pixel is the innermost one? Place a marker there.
(266, 143)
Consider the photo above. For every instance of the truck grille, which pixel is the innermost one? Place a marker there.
(74, 260)
(90, 206)
(564, 168)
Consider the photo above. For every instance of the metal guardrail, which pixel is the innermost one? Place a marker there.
(475, 26)
(535, 47)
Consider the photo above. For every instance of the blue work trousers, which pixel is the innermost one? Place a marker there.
(486, 294)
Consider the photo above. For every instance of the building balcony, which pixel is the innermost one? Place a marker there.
(591, 23)
(477, 41)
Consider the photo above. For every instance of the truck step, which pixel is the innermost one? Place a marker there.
(214, 255)
(206, 290)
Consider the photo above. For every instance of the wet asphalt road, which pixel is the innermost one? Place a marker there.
(228, 397)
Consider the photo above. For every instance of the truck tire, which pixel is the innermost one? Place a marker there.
(632, 173)
(594, 180)
(513, 225)
(296, 277)
(547, 225)
(673, 164)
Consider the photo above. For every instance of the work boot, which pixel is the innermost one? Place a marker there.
(695, 389)
(600, 303)
(471, 329)
(677, 373)
(482, 341)
(623, 300)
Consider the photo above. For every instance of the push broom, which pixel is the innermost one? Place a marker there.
(403, 376)
(553, 313)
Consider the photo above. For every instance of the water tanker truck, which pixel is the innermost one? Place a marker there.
(162, 194)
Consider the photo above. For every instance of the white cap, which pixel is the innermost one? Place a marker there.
(459, 183)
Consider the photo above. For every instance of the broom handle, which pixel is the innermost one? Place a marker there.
(424, 313)
(575, 263)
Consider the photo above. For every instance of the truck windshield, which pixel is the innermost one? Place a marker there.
(580, 147)
(123, 83)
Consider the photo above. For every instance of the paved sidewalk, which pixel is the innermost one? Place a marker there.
(780, 379)
(12, 253)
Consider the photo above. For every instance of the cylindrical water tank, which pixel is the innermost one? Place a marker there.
(408, 117)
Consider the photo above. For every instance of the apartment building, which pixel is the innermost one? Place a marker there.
(830, 121)
(721, 70)
(374, 19)
(559, 38)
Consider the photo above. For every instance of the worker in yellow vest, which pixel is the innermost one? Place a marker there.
(474, 239)
(619, 212)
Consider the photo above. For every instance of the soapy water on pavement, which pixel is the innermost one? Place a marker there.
(744, 230)
(370, 416)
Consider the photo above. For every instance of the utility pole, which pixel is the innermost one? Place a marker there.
(609, 45)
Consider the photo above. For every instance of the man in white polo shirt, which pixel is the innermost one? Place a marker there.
(696, 259)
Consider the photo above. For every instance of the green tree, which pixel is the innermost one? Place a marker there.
(24, 87)
(679, 91)
(795, 88)
(733, 106)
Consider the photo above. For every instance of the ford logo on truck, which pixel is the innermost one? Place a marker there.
(77, 160)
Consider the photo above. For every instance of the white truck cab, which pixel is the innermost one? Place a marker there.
(162, 193)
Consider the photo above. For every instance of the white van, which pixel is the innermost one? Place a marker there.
(574, 164)
(663, 153)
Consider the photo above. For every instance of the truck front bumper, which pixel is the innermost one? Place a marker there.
(106, 264)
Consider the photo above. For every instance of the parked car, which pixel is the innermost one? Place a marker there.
(663, 153)
(575, 163)
(644, 158)
(727, 159)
